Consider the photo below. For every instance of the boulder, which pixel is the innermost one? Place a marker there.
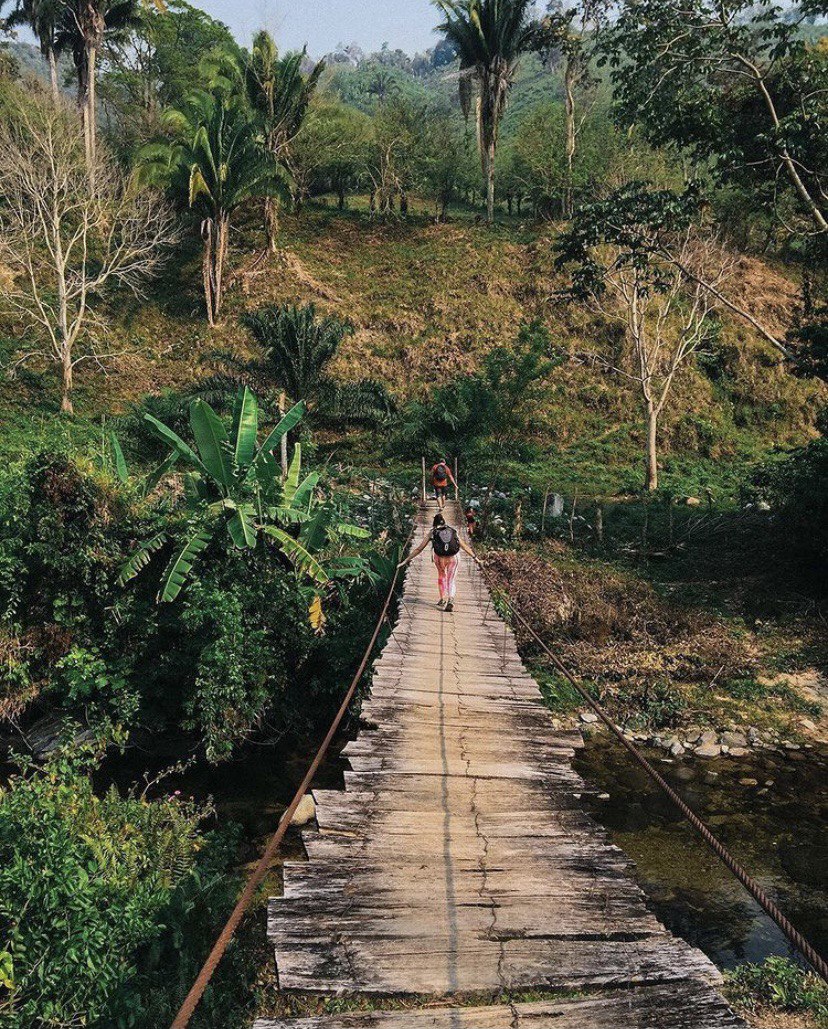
(708, 750)
(708, 737)
(676, 749)
(739, 751)
(306, 812)
(589, 717)
(734, 739)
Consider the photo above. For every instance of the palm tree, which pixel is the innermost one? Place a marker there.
(44, 18)
(218, 163)
(298, 347)
(280, 94)
(489, 36)
(86, 25)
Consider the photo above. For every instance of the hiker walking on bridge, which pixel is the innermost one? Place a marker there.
(440, 478)
(446, 544)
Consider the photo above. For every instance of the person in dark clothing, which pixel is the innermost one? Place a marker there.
(440, 478)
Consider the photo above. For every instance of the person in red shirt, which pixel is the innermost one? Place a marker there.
(440, 478)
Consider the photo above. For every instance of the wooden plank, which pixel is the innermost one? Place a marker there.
(677, 1006)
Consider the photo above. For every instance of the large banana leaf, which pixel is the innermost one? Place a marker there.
(158, 473)
(121, 469)
(304, 492)
(292, 481)
(348, 568)
(245, 429)
(354, 532)
(242, 527)
(314, 534)
(288, 422)
(301, 559)
(213, 444)
(141, 558)
(168, 436)
(182, 563)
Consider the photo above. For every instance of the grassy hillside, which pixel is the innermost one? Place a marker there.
(427, 301)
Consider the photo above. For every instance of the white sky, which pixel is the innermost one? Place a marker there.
(322, 24)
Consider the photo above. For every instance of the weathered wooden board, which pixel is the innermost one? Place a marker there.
(675, 1006)
(457, 860)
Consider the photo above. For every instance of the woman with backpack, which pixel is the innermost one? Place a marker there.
(446, 544)
(440, 478)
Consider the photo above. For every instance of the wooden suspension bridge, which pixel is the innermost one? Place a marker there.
(457, 862)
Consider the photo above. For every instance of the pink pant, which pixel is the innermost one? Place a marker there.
(447, 575)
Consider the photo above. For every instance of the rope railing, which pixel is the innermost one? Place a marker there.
(257, 876)
(811, 955)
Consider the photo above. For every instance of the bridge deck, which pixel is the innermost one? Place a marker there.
(457, 859)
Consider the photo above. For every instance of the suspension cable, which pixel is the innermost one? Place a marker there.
(811, 955)
(257, 876)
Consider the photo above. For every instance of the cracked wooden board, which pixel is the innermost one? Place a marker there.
(457, 860)
(675, 1006)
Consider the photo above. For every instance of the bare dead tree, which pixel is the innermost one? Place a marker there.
(665, 305)
(69, 241)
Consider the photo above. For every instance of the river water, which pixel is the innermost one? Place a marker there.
(770, 811)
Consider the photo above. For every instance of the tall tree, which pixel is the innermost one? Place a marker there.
(570, 36)
(490, 37)
(280, 92)
(44, 18)
(217, 163)
(640, 258)
(734, 83)
(86, 25)
(69, 243)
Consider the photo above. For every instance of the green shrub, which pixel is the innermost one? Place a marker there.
(85, 882)
(781, 985)
(797, 489)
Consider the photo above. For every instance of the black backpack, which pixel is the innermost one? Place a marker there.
(441, 473)
(446, 542)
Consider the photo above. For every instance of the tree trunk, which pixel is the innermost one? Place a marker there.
(284, 439)
(341, 195)
(219, 253)
(490, 181)
(272, 223)
(91, 108)
(53, 73)
(207, 267)
(569, 92)
(652, 449)
(66, 405)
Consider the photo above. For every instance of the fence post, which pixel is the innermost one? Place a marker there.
(456, 482)
(599, 521)
(543, 514)
(424, 480)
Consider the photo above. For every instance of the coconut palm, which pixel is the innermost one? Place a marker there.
(218, 163)
(489, 36)
(279, 92)
(44, 18)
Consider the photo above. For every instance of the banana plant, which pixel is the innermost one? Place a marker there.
(233, 486)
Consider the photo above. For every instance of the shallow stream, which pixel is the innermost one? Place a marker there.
(770, 811)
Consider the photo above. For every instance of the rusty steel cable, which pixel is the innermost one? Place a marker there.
(812, 956)
(191, 1001)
